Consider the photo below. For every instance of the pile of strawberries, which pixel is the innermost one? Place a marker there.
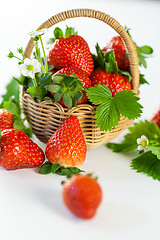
(81, 193)
(70, 56)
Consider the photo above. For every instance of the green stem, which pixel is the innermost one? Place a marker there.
(37, 88)
(38, 56)
(18, 58)
(45, 59)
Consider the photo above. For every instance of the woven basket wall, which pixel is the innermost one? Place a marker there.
(46, 117)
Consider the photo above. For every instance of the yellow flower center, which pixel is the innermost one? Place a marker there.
(30, 67)
(144, 143)
(39, 30)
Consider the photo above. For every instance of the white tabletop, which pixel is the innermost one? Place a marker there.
(31, 205)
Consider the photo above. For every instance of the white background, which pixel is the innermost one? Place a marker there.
(31, 205)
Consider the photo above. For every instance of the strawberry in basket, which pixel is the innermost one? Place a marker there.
(119, 48)
(107, 72)
(70, 50)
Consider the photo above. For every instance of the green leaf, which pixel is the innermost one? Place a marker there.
(107, 115)
(98, 94)
(121, 147)
(127, 105)
(69, 31)
(53, 88)
(33, 91)
(67, 99)
(78, 96)
(155, 149)
(12, 89)
(142, 80)
(57, 79)
(146, 128)
(68, 81)
(126, 74)
(18, 124)
(146, 50)
(75, 170)
(55, 167)
(110, 62)
(45, 79)
(11, 107)
(58, 33)
(106, 61)
(148, 164)
(46, 168)
(0, 136)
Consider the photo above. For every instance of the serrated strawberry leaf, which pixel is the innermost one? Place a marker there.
(154, 147)
(98, 94)
(11, 107)
(148, 164)
(107, 115)
(146, 128)
(127, 104)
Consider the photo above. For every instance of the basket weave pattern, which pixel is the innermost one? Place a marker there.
(46, 117)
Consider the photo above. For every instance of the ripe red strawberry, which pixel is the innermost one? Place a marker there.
(19, 151)
(82, 195)
(156, 118)
(114, 81)
(120, 52)
(71, 51)
(67, 145)
(85, 80)
(6, 119)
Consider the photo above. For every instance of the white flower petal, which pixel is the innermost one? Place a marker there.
(24, 72)
(143, 138)
(139, 140)
(27, 61)
(140, 148)
(31, 74)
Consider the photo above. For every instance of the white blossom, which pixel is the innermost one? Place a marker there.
(142, 143)
(38, 33)
(30, 67)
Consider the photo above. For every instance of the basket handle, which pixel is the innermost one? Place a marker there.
(132, 54)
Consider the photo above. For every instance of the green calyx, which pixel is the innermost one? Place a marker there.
(67, 88)
(48, 168)
(58, 33)
(108, 62)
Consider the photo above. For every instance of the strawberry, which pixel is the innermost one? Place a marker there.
(82, 195)
(115, 82)
(156, 118)
(70, 51)
(18, 150)
(6, 119)
(69, 90)
(67, 146)
(120, 52)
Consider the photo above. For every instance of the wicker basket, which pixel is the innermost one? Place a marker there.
(46, 117)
